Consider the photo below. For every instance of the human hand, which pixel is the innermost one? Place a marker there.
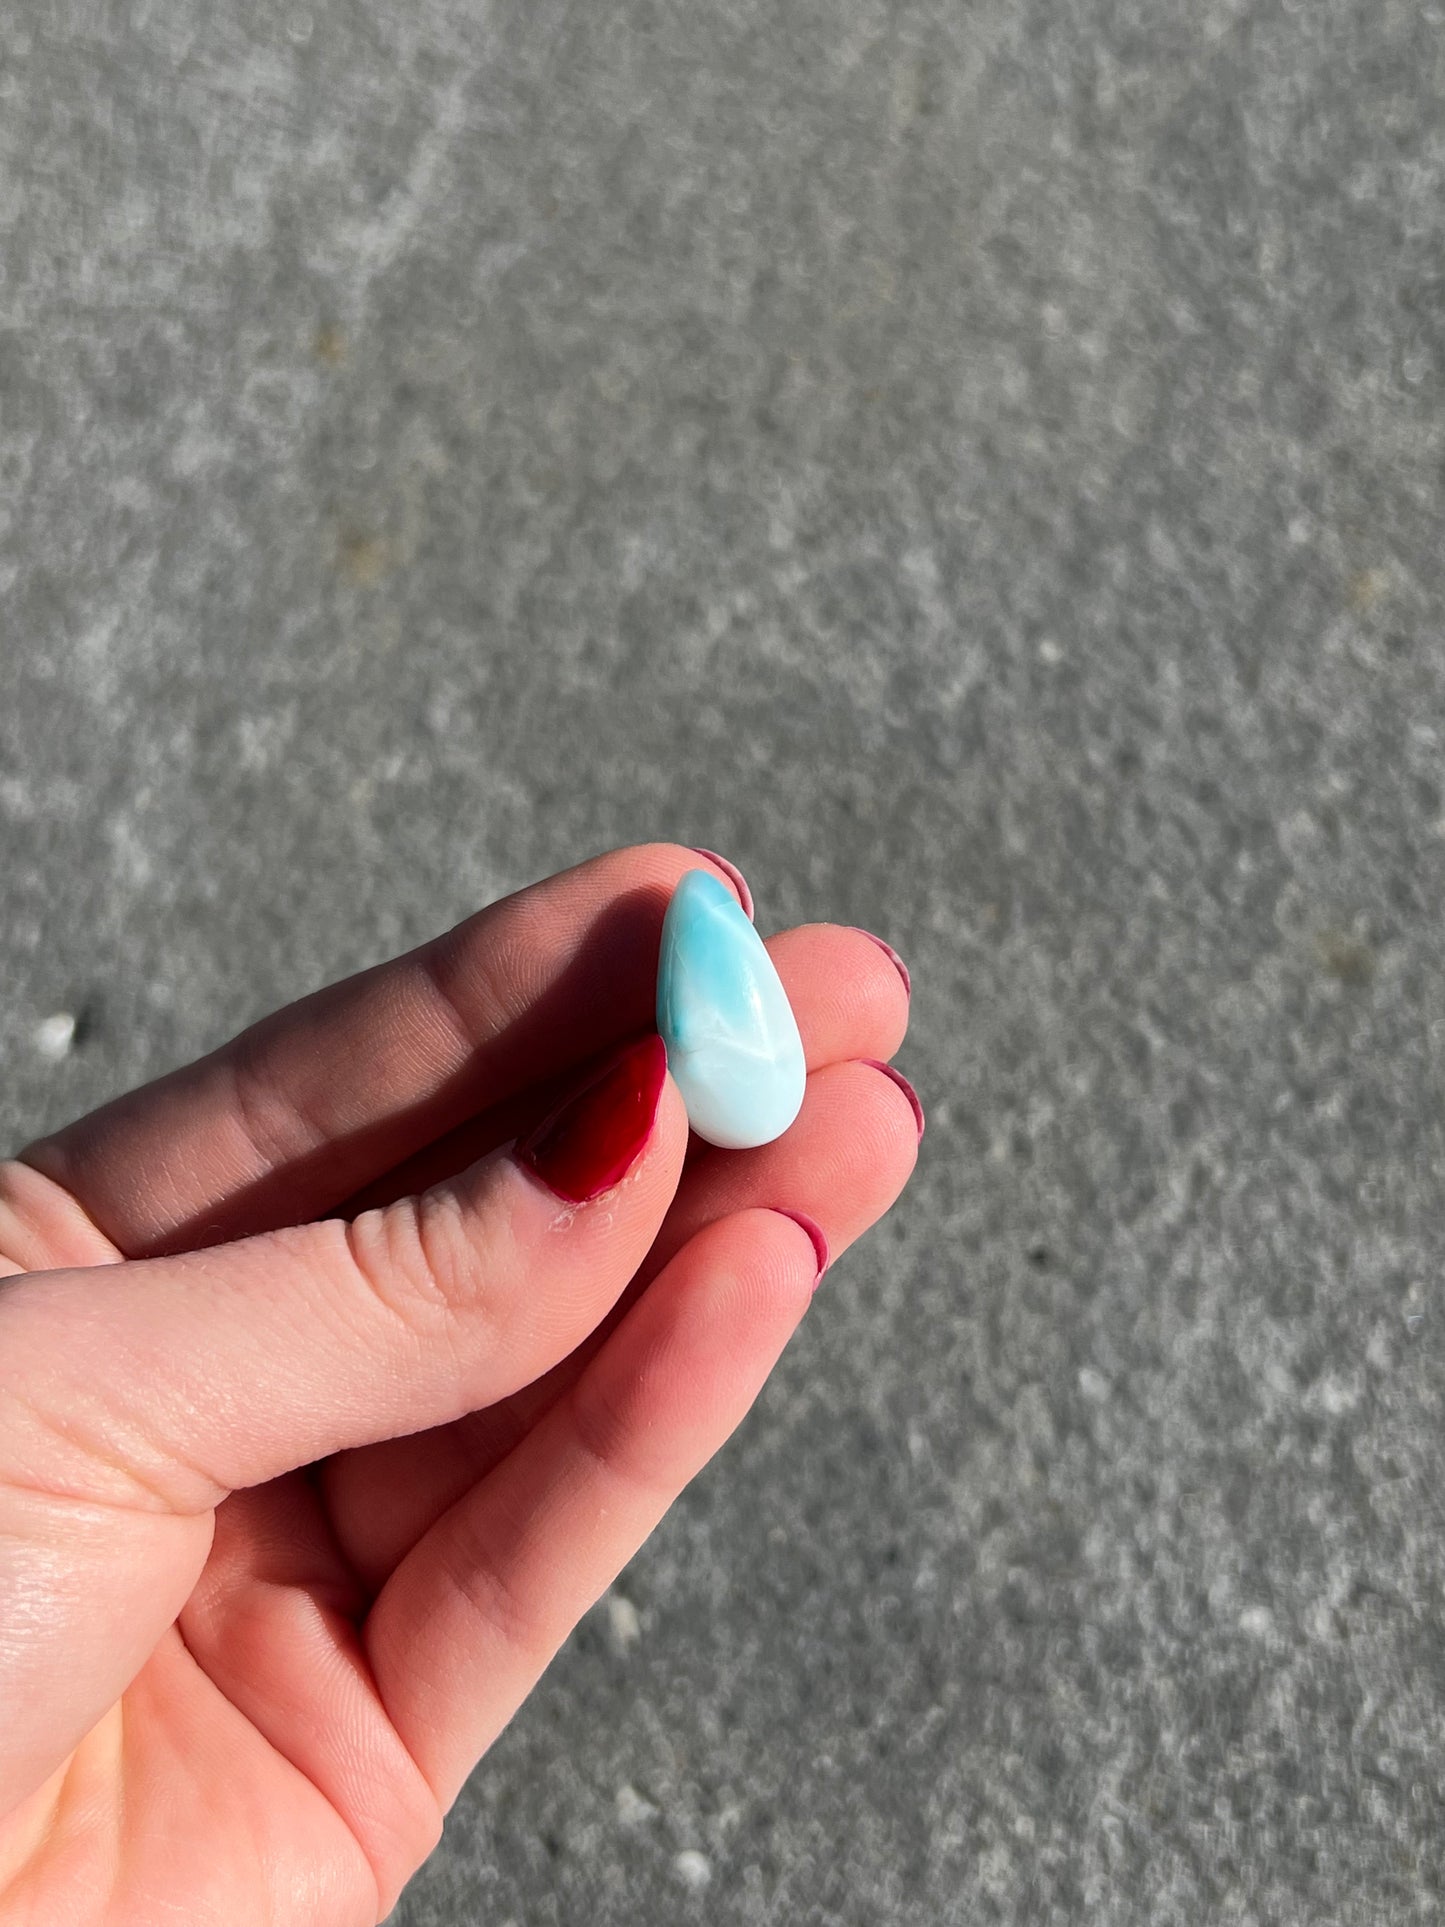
(323, 1418)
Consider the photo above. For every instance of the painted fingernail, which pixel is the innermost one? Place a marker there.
(890, 953)
(740, 882)
(594, 1137)
(903, 1084)
(732, 1041)
(814, 1231)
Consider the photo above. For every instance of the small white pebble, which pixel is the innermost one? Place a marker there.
(55, 1035)
(1257, 1621)
(624, 1620)
(1320, 1622)
(1050, 651)
(692, 1869)
(632, 1809)
(1094, 1385)
(1339, 1394)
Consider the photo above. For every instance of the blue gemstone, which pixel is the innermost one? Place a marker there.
(732, 1042)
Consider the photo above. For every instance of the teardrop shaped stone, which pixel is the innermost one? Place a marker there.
(732, 1042)
(731, 1037)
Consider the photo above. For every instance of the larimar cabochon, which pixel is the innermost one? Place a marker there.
(732, 1042)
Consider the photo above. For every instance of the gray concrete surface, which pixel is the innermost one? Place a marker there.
(982, 465)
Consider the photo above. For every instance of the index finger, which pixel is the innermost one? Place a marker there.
(289, 1119)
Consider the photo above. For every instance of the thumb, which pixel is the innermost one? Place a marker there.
(134, 1397)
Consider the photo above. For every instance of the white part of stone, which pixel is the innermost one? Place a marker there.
(738, 1103)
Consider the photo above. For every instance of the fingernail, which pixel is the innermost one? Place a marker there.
(814, 1231)
(903, 1084)
(740, 882)
(596, 1135)
(889, 952)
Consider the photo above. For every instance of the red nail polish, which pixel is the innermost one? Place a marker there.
(903, 1084)
(814, 1231)
(596, 1135)
(890, 953)
(740, 882)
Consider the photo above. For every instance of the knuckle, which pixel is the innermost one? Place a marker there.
(419, 1257)
(493, 1590)
(609, 1440)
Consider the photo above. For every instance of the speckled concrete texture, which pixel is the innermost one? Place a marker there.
(981, 466)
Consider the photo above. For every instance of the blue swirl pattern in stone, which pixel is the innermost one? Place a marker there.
(732, 1041)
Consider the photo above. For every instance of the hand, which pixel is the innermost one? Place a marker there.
(323, 1418)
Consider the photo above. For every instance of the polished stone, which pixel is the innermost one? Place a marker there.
(732, 1041)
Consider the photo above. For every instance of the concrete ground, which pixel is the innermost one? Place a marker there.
(982, 466)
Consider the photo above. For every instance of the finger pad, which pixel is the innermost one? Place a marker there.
(848, 998)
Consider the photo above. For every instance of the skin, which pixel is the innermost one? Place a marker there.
(322, 1423)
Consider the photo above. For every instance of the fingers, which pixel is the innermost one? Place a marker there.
(142, 1393)
(315, 1104)
(301, 1110)
(218, 1369)
(273, 1625)
(842, 1163)
(465, 1626)
(848, 999)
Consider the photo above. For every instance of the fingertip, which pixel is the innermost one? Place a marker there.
(850, 997)
(896, 1077)
(590, 1141)
(813, 1231)
(673, 1127)
(890, 953)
